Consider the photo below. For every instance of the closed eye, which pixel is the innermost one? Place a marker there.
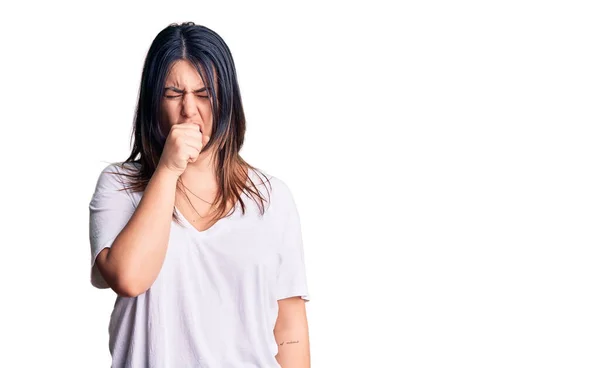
(177, 96)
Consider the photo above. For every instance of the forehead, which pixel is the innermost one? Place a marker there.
(183, 74)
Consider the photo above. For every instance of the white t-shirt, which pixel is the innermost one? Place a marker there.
(214, 302)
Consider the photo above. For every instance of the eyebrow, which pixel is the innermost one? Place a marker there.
(181, 91)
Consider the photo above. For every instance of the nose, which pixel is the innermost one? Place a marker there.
(189, 107)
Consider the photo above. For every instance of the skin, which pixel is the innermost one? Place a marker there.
(132, 264)
(186, 104)
(291, 334)
(186, 100)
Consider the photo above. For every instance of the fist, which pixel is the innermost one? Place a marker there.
(183, 146)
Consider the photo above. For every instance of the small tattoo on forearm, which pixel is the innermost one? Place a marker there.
(289, 342)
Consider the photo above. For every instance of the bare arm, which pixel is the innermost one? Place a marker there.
(291, 334)
(135, 258)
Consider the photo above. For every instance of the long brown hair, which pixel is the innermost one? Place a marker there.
(207, 51)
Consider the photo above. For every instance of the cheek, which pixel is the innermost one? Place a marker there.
(166, 118)
(206, 113)
(167, 113)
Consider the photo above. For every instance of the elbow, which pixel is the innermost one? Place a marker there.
(126, 292)
(128, 286)
(123, 280)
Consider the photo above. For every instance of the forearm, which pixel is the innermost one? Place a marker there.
(137, 254)
(294, 348)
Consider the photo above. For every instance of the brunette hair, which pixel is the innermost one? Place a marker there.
(207, 51)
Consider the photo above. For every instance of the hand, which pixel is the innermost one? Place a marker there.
(183, 146)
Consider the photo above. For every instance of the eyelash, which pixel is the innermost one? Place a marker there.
(172, 97)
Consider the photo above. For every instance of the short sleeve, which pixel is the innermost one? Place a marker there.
(291, 277)
(110, 210)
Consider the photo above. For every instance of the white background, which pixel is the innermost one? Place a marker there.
(443, 156)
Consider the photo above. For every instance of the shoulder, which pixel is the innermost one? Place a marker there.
(115, 175)
(271, 183)
(276, 189)
(121, 167)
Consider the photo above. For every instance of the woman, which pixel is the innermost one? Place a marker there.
(204, 250)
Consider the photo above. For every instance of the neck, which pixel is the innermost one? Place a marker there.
(200, 174)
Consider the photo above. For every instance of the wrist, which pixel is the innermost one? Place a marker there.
(166, 174)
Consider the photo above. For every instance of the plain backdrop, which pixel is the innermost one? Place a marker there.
(443, 155)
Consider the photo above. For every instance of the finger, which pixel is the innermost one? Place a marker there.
(194, 135)
(194, 141)
(192, 126)
(192, 155)
(188, 127)
(196, 147)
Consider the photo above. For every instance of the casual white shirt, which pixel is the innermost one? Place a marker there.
(214, 302)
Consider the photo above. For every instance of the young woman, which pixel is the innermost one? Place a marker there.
(203, 250)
